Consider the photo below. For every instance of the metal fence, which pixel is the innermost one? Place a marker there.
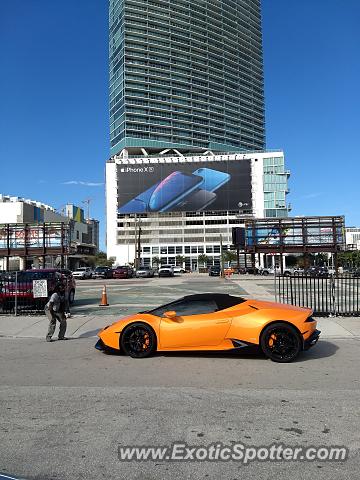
(17, 296)
(328, 295)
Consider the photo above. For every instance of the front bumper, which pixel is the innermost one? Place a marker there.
(312, 340)
(100, 345)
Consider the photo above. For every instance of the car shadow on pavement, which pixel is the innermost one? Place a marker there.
(322, 349)
(229, 354)
(90, 333)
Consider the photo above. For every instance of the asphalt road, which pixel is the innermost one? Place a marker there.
(65, 408)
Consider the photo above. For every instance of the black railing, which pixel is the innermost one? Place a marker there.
(26, 297)
(326, 295)
(17, 296)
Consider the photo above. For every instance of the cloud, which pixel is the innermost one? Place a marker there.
(86, 184)
(308, 196)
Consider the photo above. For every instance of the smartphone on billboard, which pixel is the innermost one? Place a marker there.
(196, 201)
(174, 188)
(139, 204)
(212, 179)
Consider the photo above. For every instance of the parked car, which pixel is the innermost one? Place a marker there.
(317, 272)
(214, 271)
(20, 286)
(123, 272)
(178, 269)
(271, 271)
(298, 271)
(166, 271)
(83, 273)
(214, 321)
(102, 272)
(144, 271)
(249, 270)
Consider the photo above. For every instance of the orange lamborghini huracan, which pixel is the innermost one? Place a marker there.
(214, 321)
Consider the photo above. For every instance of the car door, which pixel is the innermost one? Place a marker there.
(197, 324)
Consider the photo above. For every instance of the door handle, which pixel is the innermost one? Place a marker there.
(222, 321)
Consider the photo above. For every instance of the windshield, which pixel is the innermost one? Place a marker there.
(222, 302)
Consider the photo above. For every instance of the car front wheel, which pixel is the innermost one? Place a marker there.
(138, 340)
(281, 342)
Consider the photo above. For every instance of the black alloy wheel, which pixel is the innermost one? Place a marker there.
(138, 340)
(281, 342)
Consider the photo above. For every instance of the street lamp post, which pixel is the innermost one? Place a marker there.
(221, 257)
(137, 230)
(241, 214)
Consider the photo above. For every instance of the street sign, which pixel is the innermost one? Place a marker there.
(40, 289)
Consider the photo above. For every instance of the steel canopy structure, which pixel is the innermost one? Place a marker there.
(295, 235)
(26, 240)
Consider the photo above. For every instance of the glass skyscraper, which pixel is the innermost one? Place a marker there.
(186, 74)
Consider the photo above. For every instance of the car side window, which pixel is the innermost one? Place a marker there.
(192, 307)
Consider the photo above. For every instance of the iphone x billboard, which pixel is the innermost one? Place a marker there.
(195, 186)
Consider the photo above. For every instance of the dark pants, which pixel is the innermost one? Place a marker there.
(53, 316)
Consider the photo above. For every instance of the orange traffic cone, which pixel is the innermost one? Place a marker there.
(104, 300)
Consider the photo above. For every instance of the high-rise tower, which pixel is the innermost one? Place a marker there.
(186, 74)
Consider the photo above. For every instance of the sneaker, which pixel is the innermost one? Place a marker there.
(48, 339)
(63, 338)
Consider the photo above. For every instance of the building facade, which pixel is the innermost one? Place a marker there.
(352, 236)
(257, 187)
(186, 74)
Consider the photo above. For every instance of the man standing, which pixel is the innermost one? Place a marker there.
(55, 310)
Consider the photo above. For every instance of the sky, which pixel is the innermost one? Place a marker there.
(54, 128)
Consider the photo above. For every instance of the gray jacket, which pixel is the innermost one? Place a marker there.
(55, 299)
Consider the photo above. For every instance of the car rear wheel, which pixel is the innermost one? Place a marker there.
(281, 342)
(138, 340)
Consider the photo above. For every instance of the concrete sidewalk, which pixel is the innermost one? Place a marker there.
(80, 326)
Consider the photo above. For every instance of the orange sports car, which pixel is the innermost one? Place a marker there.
(214, 321)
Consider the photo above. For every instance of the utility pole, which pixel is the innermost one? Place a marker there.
(221, 257)
(139, 248)
(135, 241)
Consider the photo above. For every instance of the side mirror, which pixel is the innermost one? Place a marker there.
(171, 314)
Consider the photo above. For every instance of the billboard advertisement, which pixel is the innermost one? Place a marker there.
(195, 186)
